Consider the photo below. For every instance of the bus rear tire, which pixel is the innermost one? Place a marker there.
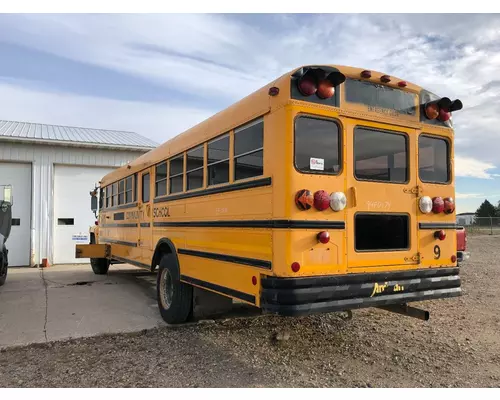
(175, 298)
(100, 266)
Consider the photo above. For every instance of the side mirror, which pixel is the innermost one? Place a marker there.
(93, 203)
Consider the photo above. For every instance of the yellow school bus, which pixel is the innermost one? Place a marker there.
(329, 189)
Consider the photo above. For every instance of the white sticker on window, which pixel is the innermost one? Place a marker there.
(317, 164)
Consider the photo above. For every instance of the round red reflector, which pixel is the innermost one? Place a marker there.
(307, 86)
(366, 74)
(321, 200)
(453, 258)
(325, 89)
(444, 115)
(254, 280)
(402, 84)
(304, 199)
(432, 111)
(437, 205)
(323, 237)
(441, 235)
(295, 266)
(96, 222)
(449, 205)
(385, 78)
(274, 91)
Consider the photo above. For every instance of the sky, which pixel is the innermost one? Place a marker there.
(160, 74)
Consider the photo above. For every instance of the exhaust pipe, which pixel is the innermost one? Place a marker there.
(405, 309)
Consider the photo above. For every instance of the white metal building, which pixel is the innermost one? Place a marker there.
(52, 170)
(466, 218)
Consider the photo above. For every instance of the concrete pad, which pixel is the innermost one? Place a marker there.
(22, 307)
(61, 302)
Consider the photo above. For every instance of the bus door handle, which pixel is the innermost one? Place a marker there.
(354, 197)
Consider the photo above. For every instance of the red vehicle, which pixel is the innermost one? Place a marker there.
(462, 254)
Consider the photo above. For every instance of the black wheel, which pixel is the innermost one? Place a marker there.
(100, 266)
(3, 267)
(175, 298)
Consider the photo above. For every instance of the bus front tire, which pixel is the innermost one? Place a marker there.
(100, 266)
(175, 298)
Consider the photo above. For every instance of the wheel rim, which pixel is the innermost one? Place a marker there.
(166, 289)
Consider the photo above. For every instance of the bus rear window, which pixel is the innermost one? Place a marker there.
(380, 98)
(433, 159)
(380, 156)
(317, 146)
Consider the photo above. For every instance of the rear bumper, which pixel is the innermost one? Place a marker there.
(312, 295)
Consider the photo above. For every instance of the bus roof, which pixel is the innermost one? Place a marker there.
(240, 112)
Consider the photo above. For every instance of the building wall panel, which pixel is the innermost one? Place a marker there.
(43, 158)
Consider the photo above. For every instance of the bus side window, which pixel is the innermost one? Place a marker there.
(218, 160)
(249, 150)
(145, 188)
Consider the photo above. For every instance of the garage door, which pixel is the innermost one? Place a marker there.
(19, 242)
(72, 214)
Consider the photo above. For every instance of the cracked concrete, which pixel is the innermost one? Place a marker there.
(64, 302)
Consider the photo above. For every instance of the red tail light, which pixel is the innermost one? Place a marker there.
(295, 266)
(453, 258)
(441, 235)
(432, 111)
(325, 89)
(321, 200)
(323, 237)
(437, 205)
(307, 85)
(449, 205)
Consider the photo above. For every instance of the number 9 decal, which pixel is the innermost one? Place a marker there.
(437, 252)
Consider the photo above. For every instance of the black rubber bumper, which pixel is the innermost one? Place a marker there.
(311, 295)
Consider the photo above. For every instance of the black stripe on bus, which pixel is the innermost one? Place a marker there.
(437, 225)
(267, 223)
(122, 242)
(136, 263)
(145, 224)
(119, 225)
(119, 207)
(216, 190)
(222, 289)
(223, 257)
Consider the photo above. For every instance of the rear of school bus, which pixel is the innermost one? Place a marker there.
(367, 187)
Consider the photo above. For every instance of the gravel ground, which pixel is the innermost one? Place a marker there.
(458, 347)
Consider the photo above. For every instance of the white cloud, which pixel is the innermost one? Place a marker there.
(469, 195)
(472, 168)
(220, 57)
(158, 122)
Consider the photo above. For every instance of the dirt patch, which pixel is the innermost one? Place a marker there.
(458, 347)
